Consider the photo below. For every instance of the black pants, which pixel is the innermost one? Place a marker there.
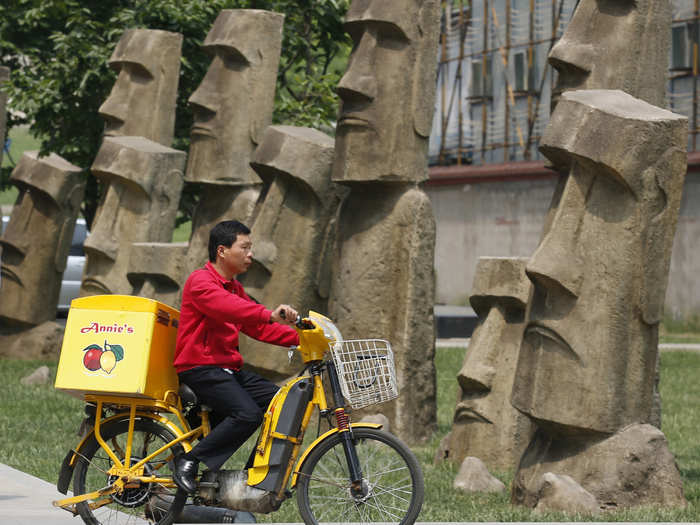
(238, 401)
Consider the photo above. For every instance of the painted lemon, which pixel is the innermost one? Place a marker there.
(108, 361)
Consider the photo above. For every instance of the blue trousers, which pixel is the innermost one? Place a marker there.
(238, 401)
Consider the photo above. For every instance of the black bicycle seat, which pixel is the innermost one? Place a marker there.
(187, 395)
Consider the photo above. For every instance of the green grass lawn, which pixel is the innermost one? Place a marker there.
(39, 425)
(21, 141)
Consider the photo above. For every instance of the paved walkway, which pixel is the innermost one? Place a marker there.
(26, 500)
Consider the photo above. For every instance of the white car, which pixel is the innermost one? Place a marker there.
(70, 283)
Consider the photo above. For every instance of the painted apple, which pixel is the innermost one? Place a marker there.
(91, 359)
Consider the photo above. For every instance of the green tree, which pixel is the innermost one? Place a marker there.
(57, 51)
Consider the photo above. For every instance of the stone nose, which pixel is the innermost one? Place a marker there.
(116, 108)
(479, 368)
(553, 268)
(359, 81)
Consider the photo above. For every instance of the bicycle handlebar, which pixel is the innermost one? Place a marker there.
(300, 322)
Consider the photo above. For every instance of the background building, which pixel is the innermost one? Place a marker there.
(489, 185)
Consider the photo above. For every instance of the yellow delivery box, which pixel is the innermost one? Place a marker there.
(119, 345)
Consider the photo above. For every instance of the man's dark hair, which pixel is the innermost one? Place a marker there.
(225, 234)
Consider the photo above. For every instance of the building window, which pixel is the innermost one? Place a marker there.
(524, 74)
(681, 47)
(481, 80)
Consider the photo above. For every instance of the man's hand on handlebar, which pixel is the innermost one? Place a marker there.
(284, 314)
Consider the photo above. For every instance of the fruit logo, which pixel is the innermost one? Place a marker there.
(106, 358)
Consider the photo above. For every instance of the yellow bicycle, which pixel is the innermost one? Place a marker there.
(121, 469)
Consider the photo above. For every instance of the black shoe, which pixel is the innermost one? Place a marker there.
(185, 473)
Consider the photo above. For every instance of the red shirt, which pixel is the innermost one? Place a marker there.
(212, 313)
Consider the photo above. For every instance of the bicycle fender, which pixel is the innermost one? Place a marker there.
(66, 473)
(321, 438)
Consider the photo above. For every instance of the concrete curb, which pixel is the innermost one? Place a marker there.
(664, 347)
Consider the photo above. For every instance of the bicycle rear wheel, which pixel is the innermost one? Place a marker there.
(151, 502)
(392, 481)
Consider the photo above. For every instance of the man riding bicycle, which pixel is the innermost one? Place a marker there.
(214, 309)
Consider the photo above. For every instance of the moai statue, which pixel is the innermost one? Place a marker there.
(293, 233)
(485, 424)
(383, 276)
(613, 44)
(232, 107)
(587, 363)
(143, 98)
(4, 77)
(35, 249)
(143, 182)
(141, 104)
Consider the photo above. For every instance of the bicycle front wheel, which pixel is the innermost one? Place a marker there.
(138, 502)
(392, 481)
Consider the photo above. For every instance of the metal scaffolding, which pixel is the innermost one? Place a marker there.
(494, 80)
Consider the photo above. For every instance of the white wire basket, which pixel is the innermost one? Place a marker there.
(366, 371)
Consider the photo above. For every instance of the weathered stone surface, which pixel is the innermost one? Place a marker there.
(232, 107)
(218, 203)
(142, 104)
(38, 342)
(383, 279)
(40, 376)
(293, 233)
(630, 468)
(561, 493)
(37, 239)
(485, 423)
(4, 77)
(156, 270)
(142, 101)
(233, 104)
(473, 476)
(383, 287)
(609, 45)
(143, 181)
(600, 271)
(386, 111)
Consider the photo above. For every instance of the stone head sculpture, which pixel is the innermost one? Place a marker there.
(142, 101)
(142, 181)
(293, 231)
(296, 163)
(589, 350)
(485, 424)
(615, 44)
(233, 104)
(388, 91)
(37, 239)
(156, 270)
